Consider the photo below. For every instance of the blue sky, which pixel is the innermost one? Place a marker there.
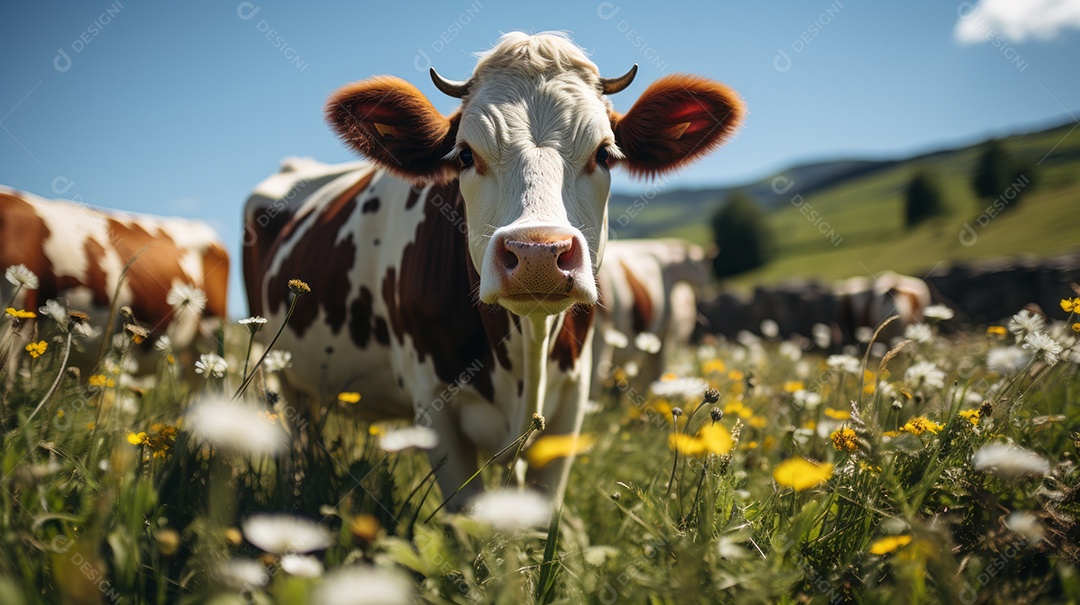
(181, 109)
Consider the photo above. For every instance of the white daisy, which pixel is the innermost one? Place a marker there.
(254, 324)
(1040, 342)
(305, 566)
(164, 344)
(281, 534)
(807, 399)
(822, 335)
(680, 388)
(1009, 461)
(920, 333)
(925, 373)
(20, 275)
(939, 312)
(1027, 524)
(183, 296)
(769, 328)
(420, 437)
(235, 426)
(647, 342)
(357, 585)
(864, 333)
(616, 339)
(789, 351)
(86, 330)
(1024, 323)
(1006, 360)
(210, 364)
(511, 510)
(277, 361)
(844, 363)
(244, 574)
(56, 311)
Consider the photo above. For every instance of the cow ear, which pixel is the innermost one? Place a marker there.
(391, 122)
(676, 120)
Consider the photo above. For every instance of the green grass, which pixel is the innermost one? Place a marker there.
(863, 220)
(87, 516)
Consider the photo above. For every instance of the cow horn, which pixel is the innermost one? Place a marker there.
(452, 88)
(611, 86)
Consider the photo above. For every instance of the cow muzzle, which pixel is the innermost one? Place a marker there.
(537, 270)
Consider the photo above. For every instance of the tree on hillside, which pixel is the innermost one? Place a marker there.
(999, 176)
(743, 236)
(923, 199)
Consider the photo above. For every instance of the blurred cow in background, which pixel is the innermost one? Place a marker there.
(865, 302)
(79, 255)
(648, 304)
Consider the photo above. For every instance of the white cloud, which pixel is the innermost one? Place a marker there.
(1015, 21)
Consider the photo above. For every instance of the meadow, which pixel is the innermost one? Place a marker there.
(859, 225)
(923, 469)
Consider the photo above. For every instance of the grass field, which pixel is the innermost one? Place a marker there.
(860, 229)
(943, 472)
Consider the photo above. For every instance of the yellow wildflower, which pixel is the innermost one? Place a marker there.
(101, 380)
(971, 415)
(299, 287)
(19, 313)
(713, 366)
(553, 447)
(736, 375)
(837, 414)
(715, 439)
(801, 474)
(845, 440)
(270, 417)
(685, 444)
(59, 413)
(1070, 305)
(137, 438)
(1076, 327)
(792, 386)
(884, 546)
(998, 331)
(920, 425)
(738, 409)
(349, 397)
(37, 349)
(758, 422)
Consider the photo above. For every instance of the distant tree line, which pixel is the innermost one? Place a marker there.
(999, 180)
(746, 242)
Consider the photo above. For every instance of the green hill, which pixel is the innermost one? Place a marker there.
(838, 219)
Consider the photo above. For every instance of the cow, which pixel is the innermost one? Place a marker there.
(79, 253)
(648, 294)
(865, 302)
(453, 277)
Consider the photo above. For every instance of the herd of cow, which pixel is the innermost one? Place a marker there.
(464, 257)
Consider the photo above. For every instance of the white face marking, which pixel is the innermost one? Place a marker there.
(535, 144)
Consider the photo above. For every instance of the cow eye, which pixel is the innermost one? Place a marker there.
(602, 156)
(465, 157)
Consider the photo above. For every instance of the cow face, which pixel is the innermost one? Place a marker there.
(532, 147)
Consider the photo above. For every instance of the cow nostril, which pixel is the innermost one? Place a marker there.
(570, 259)
(507, 258)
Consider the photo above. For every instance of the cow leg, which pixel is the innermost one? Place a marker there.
(454, 456)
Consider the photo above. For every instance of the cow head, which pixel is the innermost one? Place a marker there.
(532, 147)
